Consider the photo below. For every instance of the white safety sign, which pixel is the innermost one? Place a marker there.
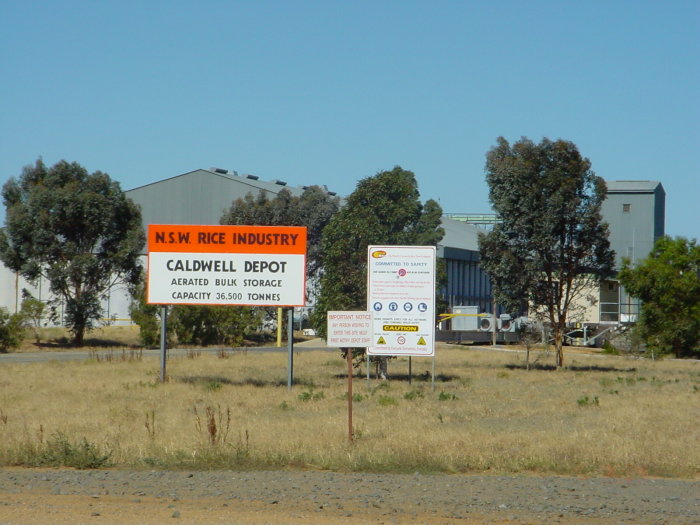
(401, 298)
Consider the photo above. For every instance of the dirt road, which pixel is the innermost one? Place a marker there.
(29, 496)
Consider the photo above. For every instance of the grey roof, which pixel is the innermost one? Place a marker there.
(632, 186)
(252, 181)
(200, 196)
(460, 235)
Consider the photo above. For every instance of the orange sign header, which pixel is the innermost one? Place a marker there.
(189, 238)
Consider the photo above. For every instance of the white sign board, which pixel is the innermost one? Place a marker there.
(226, 265)
(401, 297)
(349, 329)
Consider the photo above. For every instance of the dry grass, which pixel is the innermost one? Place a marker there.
(604, 415)
(57, 338)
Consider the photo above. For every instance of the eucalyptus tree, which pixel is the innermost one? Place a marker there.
(550, 248)
(75, 229)
(313, 209)
(383, 210)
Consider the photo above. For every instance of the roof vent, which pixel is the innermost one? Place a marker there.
(219, 170)
(332, 193)
(280, 182)
(251, 177)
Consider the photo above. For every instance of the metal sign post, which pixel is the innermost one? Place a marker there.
(290, 348)
(367, 369)
(348, 354)
(495, 321)
(163, 341)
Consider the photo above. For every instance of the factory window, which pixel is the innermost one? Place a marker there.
(610, 302)
(626, 208)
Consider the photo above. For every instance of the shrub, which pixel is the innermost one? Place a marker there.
(33, 312)
(609, 348)
(213, 325)
(11, 330)
(147, 317)
(60, 452)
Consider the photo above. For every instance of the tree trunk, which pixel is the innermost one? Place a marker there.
(527, 357)
(558, 345)
(383, 368)
(79, 336)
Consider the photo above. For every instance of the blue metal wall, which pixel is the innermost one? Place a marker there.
(467, 283)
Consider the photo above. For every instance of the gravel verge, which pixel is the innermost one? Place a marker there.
(121, 496)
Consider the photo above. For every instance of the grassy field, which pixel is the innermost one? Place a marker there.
(603, 415)
(57, 338)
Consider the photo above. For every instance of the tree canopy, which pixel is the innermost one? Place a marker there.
(383, 210)
(551, 246)
(668, 283)
(313, 209)
(75, 229)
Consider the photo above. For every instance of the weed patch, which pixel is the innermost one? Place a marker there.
(212, 386)
(310, 395)
(587, 401)
(412, 395)
(386, 401)
(216, 424)
(447, 396)
(60, 451)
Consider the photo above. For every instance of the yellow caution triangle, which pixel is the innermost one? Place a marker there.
(381, 341)
(421, 341)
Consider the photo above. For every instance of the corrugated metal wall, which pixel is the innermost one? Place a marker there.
(467, 283)
(198, 197)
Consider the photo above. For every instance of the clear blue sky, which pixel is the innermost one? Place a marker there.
(330, 92)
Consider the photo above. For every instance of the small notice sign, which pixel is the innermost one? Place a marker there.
(349, 329)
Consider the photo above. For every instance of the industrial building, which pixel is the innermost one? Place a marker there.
(633, 209)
